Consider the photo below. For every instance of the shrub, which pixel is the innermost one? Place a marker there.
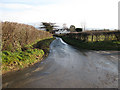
(6, 52)
(15, 36)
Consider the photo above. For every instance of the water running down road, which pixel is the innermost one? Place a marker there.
(67, 67)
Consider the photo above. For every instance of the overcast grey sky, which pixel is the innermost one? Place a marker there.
(95, 13)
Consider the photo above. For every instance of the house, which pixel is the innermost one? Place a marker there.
(62, 31)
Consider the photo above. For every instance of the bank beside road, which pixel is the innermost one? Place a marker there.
(23, 46)
(110, 45)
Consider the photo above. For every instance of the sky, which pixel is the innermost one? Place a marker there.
(91, 13)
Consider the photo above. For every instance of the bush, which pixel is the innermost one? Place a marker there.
(6, 52)
(15, 36)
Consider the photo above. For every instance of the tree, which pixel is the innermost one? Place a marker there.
(72, 28)
(48, 26)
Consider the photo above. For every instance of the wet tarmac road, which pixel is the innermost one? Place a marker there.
(67, 67)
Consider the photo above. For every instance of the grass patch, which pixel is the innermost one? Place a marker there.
(26, 56)
(20, 59)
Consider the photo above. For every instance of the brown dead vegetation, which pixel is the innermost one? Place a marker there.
(16, 35)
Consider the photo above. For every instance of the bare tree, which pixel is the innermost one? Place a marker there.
(83, 25)
(65, 26)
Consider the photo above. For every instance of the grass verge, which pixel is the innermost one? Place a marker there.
(27, 56)
(100, 45)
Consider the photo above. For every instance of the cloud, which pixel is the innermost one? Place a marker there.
(32, 2)
(15, 6)
(96, 14)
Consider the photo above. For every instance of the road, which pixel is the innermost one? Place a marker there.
(67, 67)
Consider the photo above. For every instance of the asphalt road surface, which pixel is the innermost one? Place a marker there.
(67, 67)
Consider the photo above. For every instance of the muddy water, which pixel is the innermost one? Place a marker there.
(67, 67)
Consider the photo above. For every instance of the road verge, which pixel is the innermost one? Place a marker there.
(99, 45)
(29, 55)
